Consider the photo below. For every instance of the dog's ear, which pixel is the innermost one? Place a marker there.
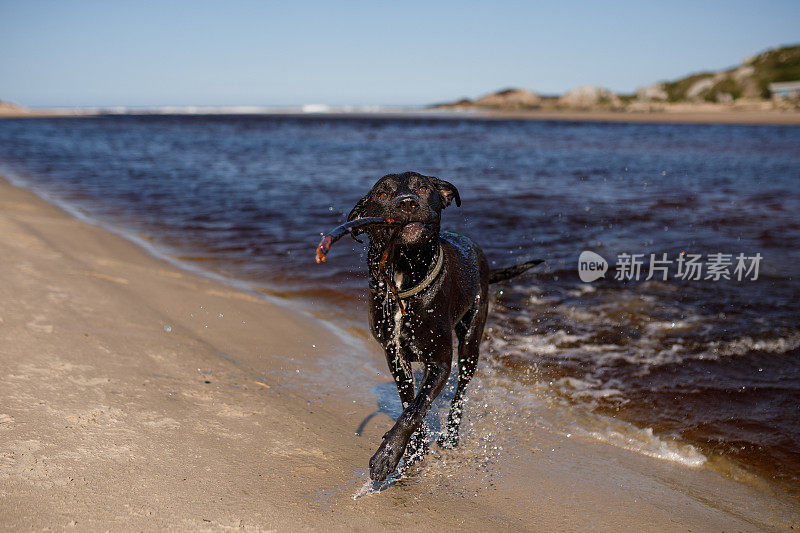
(447, 192)
(357, 212)
(358, 209)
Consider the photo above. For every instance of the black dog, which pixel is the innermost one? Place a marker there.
(441, 280)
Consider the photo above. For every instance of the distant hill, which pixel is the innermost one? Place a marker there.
(514, 99)
(741, 86)
(751, 79)
(12, 110)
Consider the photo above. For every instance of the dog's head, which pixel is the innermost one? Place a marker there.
(408, 196)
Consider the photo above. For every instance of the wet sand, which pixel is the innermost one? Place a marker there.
(138, 396)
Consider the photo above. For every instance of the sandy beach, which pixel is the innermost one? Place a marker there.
(682, 115)
(687, 116)
(140, 396)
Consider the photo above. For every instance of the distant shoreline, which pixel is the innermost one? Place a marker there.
(791, 118)
(787, 118)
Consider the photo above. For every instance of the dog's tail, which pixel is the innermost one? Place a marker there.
(502, 274)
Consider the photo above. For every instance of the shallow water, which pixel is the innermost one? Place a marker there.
(651, 365)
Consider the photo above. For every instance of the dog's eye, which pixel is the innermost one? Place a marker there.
(423, 190)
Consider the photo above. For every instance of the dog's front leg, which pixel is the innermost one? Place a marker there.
(396, 439)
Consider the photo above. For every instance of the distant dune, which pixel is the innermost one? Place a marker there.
(7, 109)
(745, 87)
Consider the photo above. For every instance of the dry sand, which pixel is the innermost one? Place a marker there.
(686, 114)
(9, 110)
(137, 396)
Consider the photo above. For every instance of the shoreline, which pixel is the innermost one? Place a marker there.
(702, 116)
(763, 118)
(140, 394)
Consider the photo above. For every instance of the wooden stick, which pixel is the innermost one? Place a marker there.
(327, 241)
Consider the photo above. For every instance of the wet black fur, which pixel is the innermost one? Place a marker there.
(456, 300)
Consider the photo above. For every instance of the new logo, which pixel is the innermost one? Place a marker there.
(591, 266)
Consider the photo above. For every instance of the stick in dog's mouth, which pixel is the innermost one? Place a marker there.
(327, 241)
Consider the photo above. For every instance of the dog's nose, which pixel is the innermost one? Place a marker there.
(407, 204)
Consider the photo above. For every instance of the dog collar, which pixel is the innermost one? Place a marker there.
(430, 278)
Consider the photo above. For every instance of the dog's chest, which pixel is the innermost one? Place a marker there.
(395, 331)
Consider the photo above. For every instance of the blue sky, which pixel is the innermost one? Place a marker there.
(270, 53)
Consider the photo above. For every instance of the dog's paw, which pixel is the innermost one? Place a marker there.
(448, 440)
(385, 459)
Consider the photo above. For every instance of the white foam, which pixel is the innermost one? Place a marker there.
(746, 344)
(587, 388)
(245, 110)
(583, 289)
(315, 108)
(365, 490)
(645, 442)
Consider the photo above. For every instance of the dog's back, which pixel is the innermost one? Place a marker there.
(467, 272)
